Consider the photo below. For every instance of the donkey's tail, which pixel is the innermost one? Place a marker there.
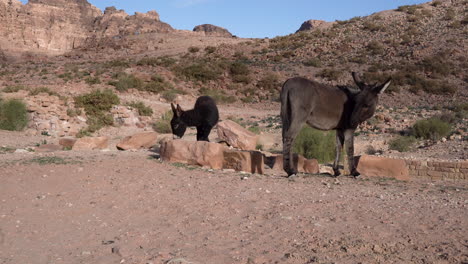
(285, 108)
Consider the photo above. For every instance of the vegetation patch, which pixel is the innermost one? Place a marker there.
(97, 106)
(432, 129)
(218, 95)
(402, 143)
(143, 110)
(315, 144)
(163, 125)
(13, 115)
(126, 81)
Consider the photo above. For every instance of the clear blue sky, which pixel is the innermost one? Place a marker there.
(253, 18)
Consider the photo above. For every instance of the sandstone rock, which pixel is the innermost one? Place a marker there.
(302, 164)
(248, 161)
(91, 143)
(199, 153)
(138, 141)
(236, 136)
(313, 24)
(374, 166)
(212, 30)
(67, 142)
(48, 148)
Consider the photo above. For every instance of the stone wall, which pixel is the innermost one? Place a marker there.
(438, 170)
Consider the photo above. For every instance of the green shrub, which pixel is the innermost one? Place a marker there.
(269, 82)
(97, 106)
(193, 49)
(313, 62)
(117, 63)
(14, 88)
(219, 96)
(402, 143)
(13, 115)
(200, 71)
(93, 80)
(143, 110)
(330, 74)
(312, 143)
(210, 49)
(157, 85)
(432, 128)
(239, 72)
(375, 47)
(409, 9)
(126, 81)
(163, 125)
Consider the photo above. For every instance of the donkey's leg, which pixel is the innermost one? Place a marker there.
(288, 140)
(203, 132)
(339, 148)
(349, 142)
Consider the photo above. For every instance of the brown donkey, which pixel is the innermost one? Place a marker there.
(326, 107)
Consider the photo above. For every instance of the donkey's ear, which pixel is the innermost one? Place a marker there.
(179, 110)
(357, 80)
(380, 89)
(174, 110)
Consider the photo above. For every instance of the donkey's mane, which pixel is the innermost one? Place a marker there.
(348, 90)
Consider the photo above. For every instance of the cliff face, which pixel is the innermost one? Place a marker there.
(58, 26)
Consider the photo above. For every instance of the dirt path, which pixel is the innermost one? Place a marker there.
(129, 208)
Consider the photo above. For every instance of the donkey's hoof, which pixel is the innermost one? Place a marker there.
(336, 172)
(292, 177)
(355, 173)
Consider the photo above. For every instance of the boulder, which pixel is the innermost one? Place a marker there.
(91, 143)
(138, 141)
(248, 161)
(199, 153)
(313, 24)
(67, 142)
(236, 136)
(302, 164)
(374, 166)
(212, 30)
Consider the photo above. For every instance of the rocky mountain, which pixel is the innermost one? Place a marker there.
(314, 24)
(212, 30)
(58, 26)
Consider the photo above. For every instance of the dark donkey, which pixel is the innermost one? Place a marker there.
(326, 107)
(204, 116)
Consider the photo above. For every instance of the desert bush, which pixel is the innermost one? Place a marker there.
(117, 63)
(313, 62)
(402, 143)
(159, 61)
(199, 71)
(372, 26)
(157, 85)
(143, 110)
(432, 129)
(39, 90)
(97, 105)
(163, 125)
(13, 115)
(409, 9)
(219, 96)
(126, 81)
(375, 47)
(14, 88)
(193, 49)
(239, 72)
(93, 80)
(312, 143)
(210, 49)
(269, 82)
(330, 74)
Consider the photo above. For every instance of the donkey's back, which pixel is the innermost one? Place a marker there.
(206, 110)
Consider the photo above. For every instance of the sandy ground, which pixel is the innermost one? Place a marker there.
(128, 207)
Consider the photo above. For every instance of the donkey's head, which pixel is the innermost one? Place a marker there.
(178, 126)
(366, 100)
